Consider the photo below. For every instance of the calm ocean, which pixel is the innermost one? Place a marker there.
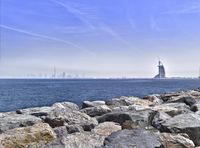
(18, 93)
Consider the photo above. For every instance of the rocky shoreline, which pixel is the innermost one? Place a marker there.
(169, 120)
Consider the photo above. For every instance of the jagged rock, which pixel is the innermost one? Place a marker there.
(188, 100)
(42, 112)
(36, 111)
(176, 140)
(74, 128)
(33, 136)
(137, 138)
(106, 128)
(60, 131)
(173, 109)
(169, 96)
(133, 107)
(158, 119)
(66, 105)
(92, 103)
(184, 123)
(154, 98)
(123, 109)
(126, 101)
(195, 107)
(97, 110)
(140, 118)
(62, 116)
(77, 140)
(10, 121)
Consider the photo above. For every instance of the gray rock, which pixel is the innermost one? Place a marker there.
(176, 140)
(66, 105)
(61, 131)
(140, 118)
(106, 128)
(96, 111)
(188, 100)
(158, 119)
(184, 123)
(195, 107)
(92, 103)
(62, 116)
(74, 128)
(45, 111)
(127, 101)
(77, 140)
(10, 121)
(173, 109)
(154, 98)
(137, 138)
(36, 111)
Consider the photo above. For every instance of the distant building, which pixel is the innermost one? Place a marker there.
(161, 71)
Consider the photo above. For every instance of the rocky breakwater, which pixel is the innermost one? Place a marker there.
(169, 120)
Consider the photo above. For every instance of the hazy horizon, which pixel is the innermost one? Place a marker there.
(99, 38)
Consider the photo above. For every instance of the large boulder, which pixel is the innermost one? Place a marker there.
(176, 140)
(97, 110)
(10, 121)
(92, 103)
(61, 116)
(128, 120)
(173, 109)
(45, 111)
(77, 140)
(106, 128)
(137, 138)
(33, 136)
(184, 123)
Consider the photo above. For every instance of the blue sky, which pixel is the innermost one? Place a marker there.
(100, 38)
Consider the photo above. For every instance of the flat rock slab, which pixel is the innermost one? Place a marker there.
(137, 138)
(92, 103)
(184, 123)
(173, 109)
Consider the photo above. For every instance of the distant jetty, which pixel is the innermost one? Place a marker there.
(161, 120)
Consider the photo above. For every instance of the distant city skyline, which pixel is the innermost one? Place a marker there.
(99, 38)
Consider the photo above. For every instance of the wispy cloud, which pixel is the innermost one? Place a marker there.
(85, 18)
(110, 31)
(192, 9)
(77, 13)
(47, 37)
(131, 22)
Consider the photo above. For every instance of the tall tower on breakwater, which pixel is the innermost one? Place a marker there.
(161, 71)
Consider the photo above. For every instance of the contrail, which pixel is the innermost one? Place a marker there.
(115, 35)
(82, 16)
(46, 37)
